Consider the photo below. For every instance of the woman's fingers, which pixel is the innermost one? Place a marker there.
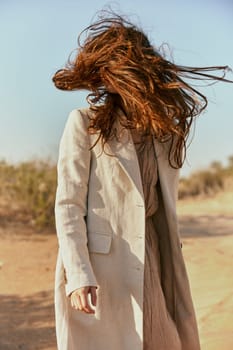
(75, 302)
(85, 302)
(80, 300)
(93, 295)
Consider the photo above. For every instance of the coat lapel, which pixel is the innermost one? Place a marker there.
(124, 150)
(168, 176)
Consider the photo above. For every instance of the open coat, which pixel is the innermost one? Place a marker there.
(100, 221)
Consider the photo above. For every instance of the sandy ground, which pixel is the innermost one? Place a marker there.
(27, 263)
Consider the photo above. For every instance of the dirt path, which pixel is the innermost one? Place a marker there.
(209, 262)
(27, 263)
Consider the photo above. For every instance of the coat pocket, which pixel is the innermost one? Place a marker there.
(99, 242)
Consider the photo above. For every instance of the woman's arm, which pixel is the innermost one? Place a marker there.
(71, 202)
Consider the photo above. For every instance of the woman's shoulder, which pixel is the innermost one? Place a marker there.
(77, 124)
(80, 115)
(79, 119)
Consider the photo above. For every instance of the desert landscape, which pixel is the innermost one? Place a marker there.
(27, 263)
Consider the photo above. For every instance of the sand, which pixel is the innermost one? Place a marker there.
(27, 263)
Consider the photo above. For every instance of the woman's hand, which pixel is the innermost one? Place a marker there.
(79, 299)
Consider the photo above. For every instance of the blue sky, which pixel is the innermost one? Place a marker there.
(37, 37)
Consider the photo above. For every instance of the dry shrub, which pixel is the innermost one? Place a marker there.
(207, 182)
(29, 189)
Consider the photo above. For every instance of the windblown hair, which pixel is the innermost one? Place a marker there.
(119, 66)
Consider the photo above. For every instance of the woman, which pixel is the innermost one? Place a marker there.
(121, 281)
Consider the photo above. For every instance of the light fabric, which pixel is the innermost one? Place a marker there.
(100, 221)
(159, 330)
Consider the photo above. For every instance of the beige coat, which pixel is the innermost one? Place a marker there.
(100, 220)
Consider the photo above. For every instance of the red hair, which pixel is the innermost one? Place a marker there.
(150, 89)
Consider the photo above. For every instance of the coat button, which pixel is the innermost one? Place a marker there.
(140, 205)
(138, 268)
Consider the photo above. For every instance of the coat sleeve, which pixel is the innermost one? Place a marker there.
(71, 202)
